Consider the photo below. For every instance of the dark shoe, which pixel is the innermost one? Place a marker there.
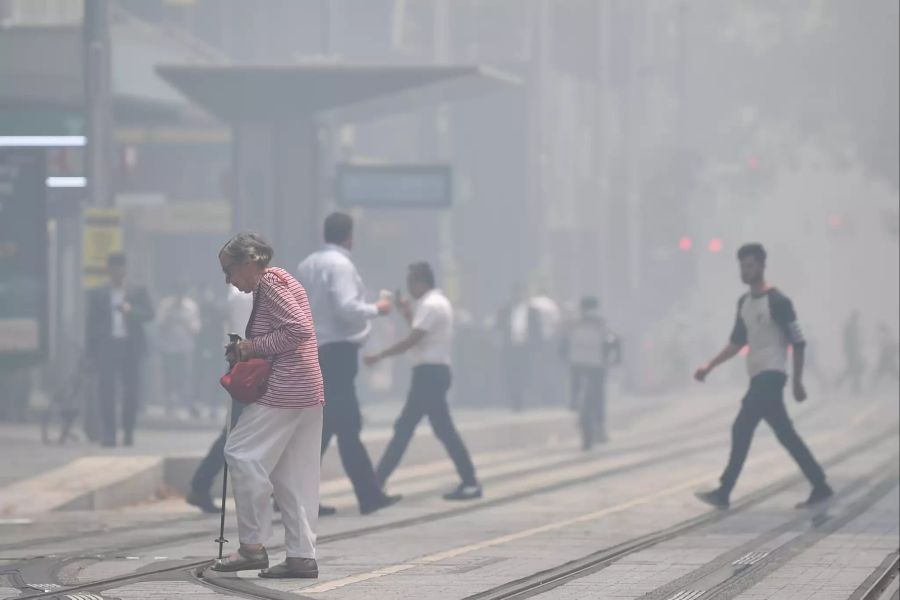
(464, 492)
(308, 570)
(327, 511)
(248, 561)
(716, 498)
(383, 503)
(202, 501)
(817, 496)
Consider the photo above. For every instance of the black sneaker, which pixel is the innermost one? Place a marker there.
(817, 496)
(716, 498)
(383, 503)
(464, 492)
(327, 511)
(202, 501)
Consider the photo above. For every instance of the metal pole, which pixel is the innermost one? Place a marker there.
(97, 100)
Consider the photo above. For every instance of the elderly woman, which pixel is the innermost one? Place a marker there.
(275, 444)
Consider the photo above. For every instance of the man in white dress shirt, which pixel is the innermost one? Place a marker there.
(342, 318)
(430, 344)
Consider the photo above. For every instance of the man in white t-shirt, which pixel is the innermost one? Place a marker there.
(430, 344)
(767, 324)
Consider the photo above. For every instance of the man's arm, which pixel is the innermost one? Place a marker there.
(783, 313)
(415, 336)
(737, 341)
(799, 362)
(727, 353)
(344, 293)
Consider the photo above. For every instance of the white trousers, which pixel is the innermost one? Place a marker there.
(277, 450)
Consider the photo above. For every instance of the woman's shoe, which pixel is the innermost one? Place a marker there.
(248, 561)
(308, 569)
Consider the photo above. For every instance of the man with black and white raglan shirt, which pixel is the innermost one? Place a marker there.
(767, 323)
(430, 345)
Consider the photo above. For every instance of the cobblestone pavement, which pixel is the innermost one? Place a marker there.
(618, 522)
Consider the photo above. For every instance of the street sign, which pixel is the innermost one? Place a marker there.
(23, 255)
(394, 186)
(102, 237)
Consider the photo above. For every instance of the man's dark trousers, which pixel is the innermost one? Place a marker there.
(339, 362)
(765, 401)
(428, 396)
(589, 393)
(120, 364)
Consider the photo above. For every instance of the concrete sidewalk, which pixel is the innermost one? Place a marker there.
(37, 478)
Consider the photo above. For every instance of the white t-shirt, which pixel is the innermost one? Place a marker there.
(768, 325)
(434, 315)
(117, 298)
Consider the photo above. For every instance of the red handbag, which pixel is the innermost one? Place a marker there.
(247, 381)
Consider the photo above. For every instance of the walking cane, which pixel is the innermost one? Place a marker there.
(233, 339)
(221, 539)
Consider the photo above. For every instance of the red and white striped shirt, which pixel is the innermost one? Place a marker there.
(282, 331)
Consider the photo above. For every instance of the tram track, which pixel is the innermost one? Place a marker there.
(544, 581)
(601, 472)
(684, 434)
(875, 587)
(195, 568)
(549, 579)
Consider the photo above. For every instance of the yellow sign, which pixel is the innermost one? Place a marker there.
(102, 237)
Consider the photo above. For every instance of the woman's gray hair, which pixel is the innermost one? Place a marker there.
(248, 247)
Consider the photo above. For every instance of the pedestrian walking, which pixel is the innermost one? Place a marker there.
(343, 323)
(115, 343)
(587, 346)
(430, 343)
(767, 323)
(274, 446)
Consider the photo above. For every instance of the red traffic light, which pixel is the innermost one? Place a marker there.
(715, 245)
(835, 221)
(685, 244)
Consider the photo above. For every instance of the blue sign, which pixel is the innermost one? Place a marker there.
(395, 186)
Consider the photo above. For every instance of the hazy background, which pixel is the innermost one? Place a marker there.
(623, 148)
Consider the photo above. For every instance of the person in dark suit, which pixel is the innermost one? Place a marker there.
(115, 342)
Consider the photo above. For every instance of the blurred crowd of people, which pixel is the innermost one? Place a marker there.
(544, 354)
